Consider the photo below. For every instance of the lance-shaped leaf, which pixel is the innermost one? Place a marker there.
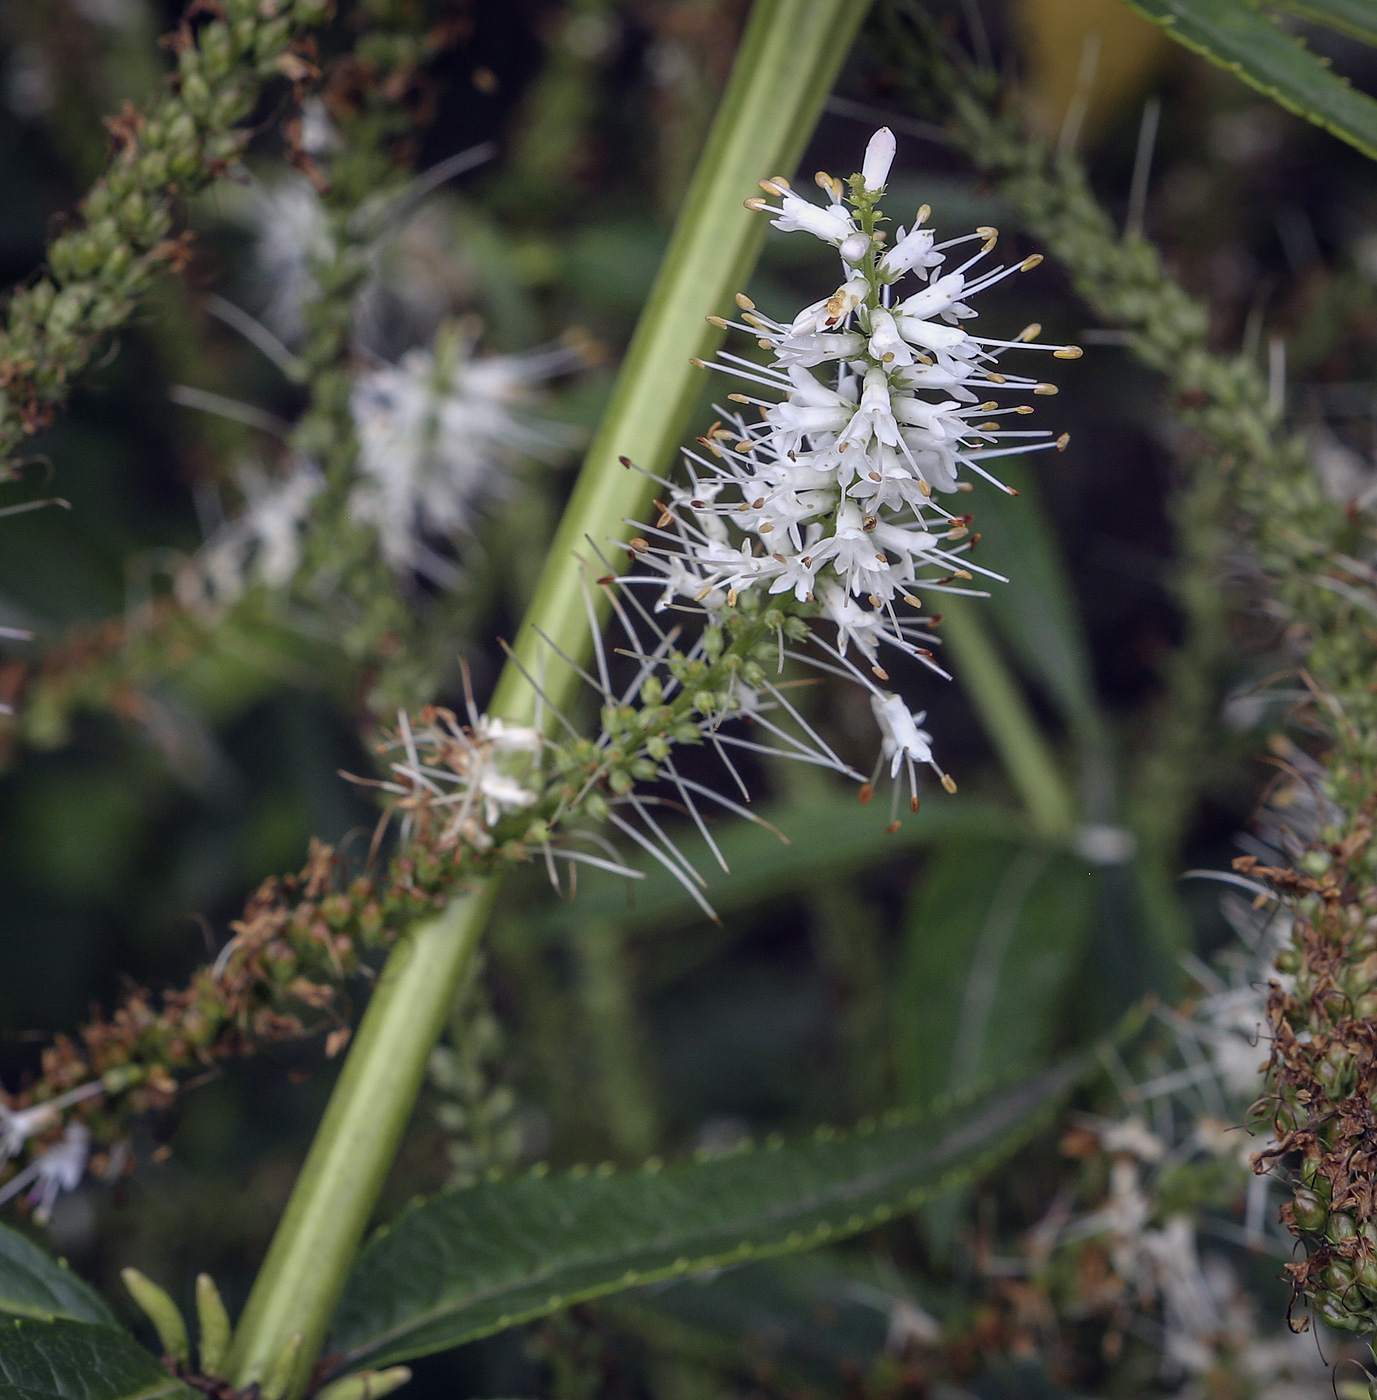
(1234, 35)
(66, 1360)
(35, 1285)
(471, 1262)
(1356, 18)
(994, 940)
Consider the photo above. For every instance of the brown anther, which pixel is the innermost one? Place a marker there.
(875, 476)
(913, 804)
(1062, 441)
(891, 828)
(866, 793)
(870, 522)
(639, 545)
(719, 321)
(879, 673)
(948, 782)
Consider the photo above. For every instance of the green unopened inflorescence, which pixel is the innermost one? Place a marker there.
(123, 235)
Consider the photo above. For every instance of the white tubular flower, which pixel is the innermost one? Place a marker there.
(912, 252)
(879, 156)
(436, 433)
(293, 236)
(462, 778)
(261, 545)
(797, 215)
(872, 400)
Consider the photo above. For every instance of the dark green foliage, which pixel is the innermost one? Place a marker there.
(1239, 38)
(34, 1285)
(66, 1360)
(994, 938)
(475, 1261)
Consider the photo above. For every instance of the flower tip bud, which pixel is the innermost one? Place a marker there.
(879, 156)
(854, 249)
(162, 1312)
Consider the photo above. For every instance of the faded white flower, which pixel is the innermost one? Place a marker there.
(436, 432)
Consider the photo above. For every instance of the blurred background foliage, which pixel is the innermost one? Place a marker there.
(851, 971)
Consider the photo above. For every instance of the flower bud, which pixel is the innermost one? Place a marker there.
(879, 156)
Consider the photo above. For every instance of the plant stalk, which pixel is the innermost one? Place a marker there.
(788, 60)
(300, 1281)
(1004, 713)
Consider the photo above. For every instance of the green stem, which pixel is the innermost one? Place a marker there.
(1027, 758)
(300, 1281)
(789, 57)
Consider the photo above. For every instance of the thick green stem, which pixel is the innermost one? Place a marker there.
(789, 57)
(300, 1281)
(1027, 758)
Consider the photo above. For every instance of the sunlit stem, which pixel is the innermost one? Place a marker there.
(789, 57)
(300, 1281)
(788, 60)
(1009, 724)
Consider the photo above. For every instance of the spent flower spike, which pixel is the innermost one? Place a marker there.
(822, 482)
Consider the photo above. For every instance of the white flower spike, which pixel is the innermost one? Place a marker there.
(822, 482)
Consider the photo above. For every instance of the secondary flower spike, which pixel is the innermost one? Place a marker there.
(824, 478)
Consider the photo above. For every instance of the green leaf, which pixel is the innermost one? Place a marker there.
(836, 835)
(1036, 613)
(994, 936)
(66, 1360)
(478, 1260)
(35, 1285)
(1235, 36)
(1356, 18)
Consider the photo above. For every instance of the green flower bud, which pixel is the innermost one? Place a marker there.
(215, 1325)
(1341, 1227)
(162, 1312)
(1309, 1211)
(278, 1380)
(621, 782)
(196, 93)
(366, 1385)
(652, 692)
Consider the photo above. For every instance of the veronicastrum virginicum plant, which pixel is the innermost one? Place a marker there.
(844, 472)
